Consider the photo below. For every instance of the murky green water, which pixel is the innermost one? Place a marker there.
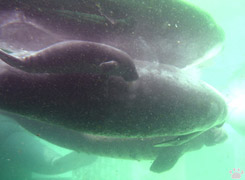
(225, 72)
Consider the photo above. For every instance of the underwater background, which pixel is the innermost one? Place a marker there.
(225, 72)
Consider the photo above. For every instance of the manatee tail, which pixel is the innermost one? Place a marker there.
(11, 60)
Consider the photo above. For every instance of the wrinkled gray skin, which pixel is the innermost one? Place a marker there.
(160, 115)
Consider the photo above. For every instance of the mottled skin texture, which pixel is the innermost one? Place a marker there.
(127, 25)
(165, 102)
(164, 107)
(76, 57)
(126, 148)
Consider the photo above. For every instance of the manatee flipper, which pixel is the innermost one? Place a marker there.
(109, 65)
(76, 57)
(215, 136)
(9, 59)
(166, 159)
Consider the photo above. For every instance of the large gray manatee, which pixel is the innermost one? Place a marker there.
(168, 31)
(161, 115)
(164, 158)
(163, 101)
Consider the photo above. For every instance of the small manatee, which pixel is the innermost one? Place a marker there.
(76, 57)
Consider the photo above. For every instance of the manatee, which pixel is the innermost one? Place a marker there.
(76, 57)
(167, 31)
(188, 106)
(22, 34)
(164, 158)
(161, 112)
(163, 101)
